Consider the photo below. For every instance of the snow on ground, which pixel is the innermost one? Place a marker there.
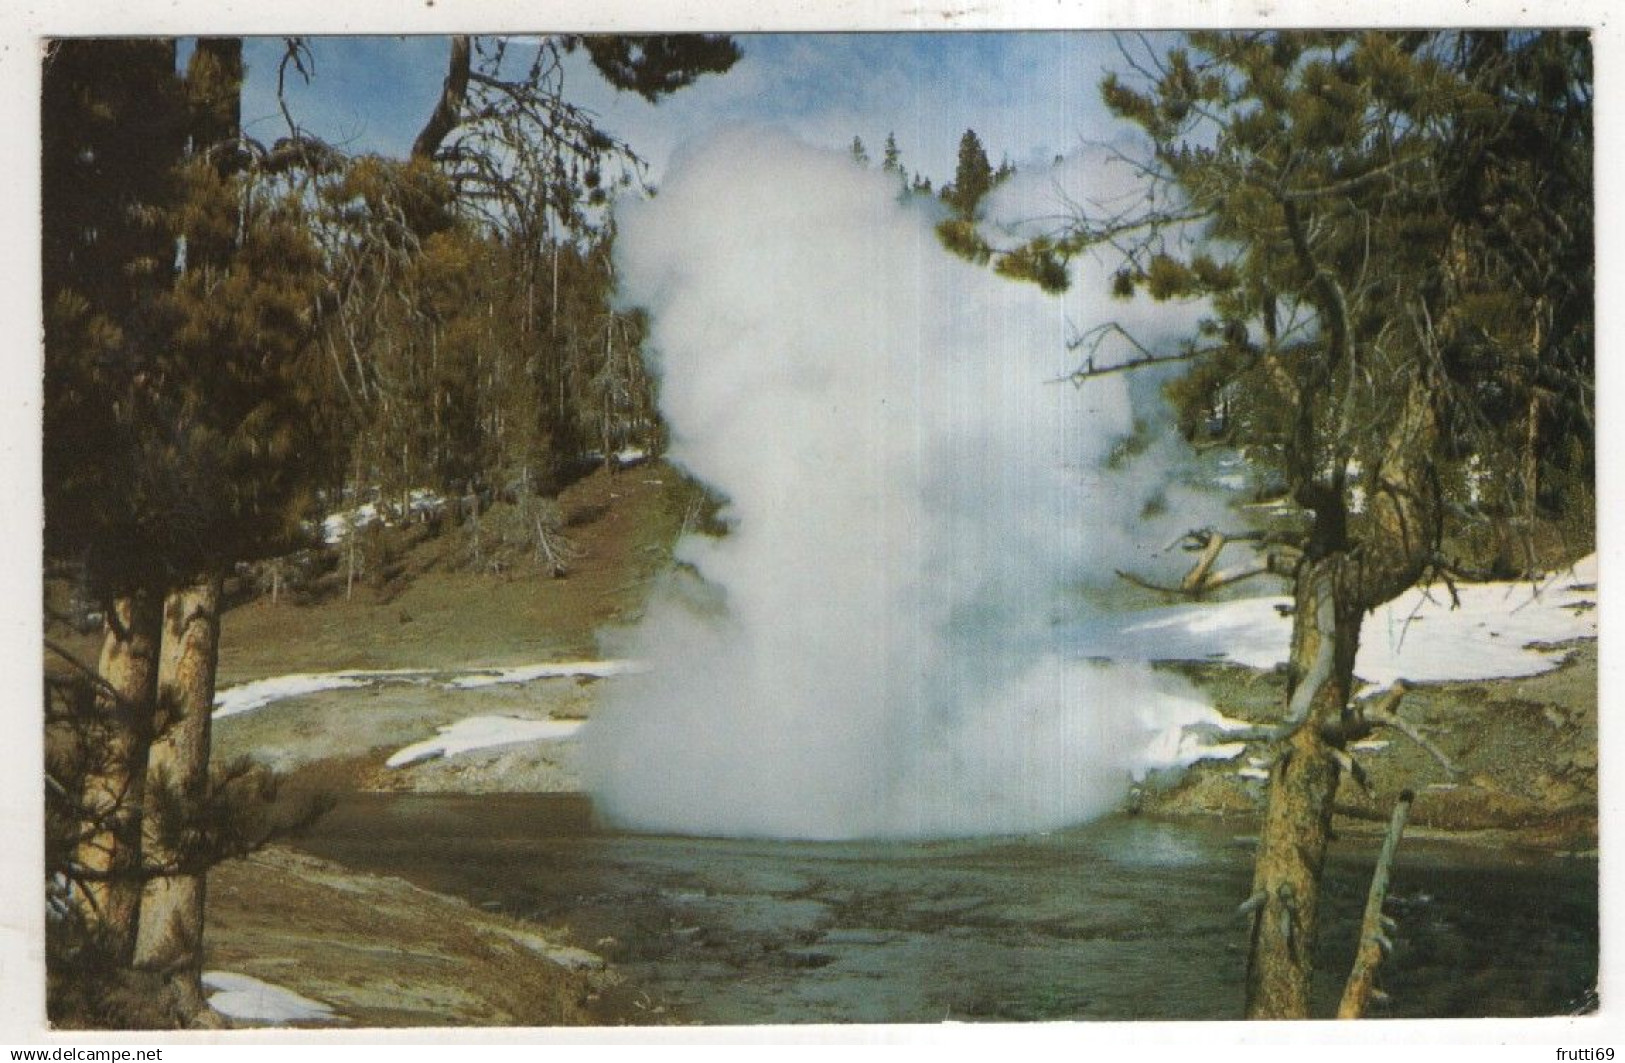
(336, 527)
(247, 697)
(483, 732)
(1182, 732)
(250, 696)
(420, 502)
(1499, 631)
(237, 996)
(530, 672)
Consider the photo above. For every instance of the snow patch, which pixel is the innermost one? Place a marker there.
(420, 502)
(255, 695)
(483, 732)
(1499, 631)
(262, 692)
(530, 672)
(237, 996)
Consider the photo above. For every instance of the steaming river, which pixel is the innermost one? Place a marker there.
(1127, 918)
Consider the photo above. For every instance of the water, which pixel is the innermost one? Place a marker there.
(1128, 918)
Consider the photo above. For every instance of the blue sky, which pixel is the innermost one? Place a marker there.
(1029, 95)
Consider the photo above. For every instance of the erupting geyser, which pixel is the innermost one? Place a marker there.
(912, 502)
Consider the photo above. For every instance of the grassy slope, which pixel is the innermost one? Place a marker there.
(437, 614)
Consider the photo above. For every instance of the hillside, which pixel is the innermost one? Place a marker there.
(427, 606)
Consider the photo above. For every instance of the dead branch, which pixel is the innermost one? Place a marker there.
(1254, 733)
(1384, 714)
(1374, 941)
(1279, 559)
(1089, 370)
(1213, 583)
(1196, 579)
(1347, 762)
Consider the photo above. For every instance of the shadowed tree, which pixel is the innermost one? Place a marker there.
(973, 177)
(189, 275)
(243, 424)
(510, 178)
(180, 431)
(891, 160)
(114, 125)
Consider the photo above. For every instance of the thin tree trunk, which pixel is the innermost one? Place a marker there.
(118, 738)
(1373, 940)
(1530, 477)
(170, 941)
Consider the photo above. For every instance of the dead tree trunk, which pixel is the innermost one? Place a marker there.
(170, 941)
(107, 856)
(1374, 942)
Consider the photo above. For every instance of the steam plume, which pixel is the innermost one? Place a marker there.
(914, 505)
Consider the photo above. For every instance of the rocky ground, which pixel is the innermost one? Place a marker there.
(381, 952)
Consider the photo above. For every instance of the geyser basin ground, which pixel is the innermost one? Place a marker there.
(1127, 918)
(1514, 731)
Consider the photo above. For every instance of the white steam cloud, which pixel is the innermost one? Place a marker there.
(914, 505)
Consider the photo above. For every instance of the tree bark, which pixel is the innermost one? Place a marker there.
(117, 740)
(170, 939)
(1303, 782)
(1337, 583)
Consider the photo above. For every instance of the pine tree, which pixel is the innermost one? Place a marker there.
(187, 361)
(243, 426)
(973, 177)
(114, 120)
(1353, 205)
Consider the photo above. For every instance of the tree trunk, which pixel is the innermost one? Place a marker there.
(1531, 480)
(1338, 581)
(108, 855)
(1303, 782)
(448, 109)
(170, 941)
